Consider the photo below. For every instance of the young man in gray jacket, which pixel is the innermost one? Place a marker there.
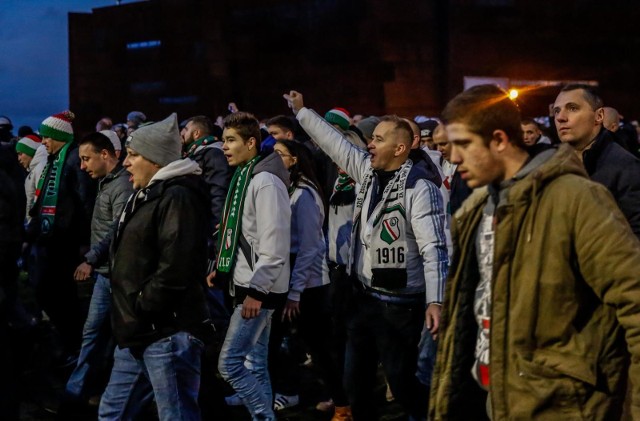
(254, 244)
(398, 259)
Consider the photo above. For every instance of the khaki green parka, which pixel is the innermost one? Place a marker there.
(565, 304)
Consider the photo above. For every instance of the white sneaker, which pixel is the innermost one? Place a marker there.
(233, 400)
(283, 401)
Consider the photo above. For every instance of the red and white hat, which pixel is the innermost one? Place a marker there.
(58, 127)
(28, 144)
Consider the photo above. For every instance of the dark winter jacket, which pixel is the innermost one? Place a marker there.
(76, 196)
(610, 164)
(216, 174)
(159, 260)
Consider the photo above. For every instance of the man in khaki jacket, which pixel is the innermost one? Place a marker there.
(542, 304)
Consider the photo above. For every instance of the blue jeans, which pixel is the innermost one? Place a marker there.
(95, 341)
(426, 357)
(169, 370)
(243, 362)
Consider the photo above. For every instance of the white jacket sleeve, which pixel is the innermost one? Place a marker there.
(428, 224)
(353, 160)
(273, 221)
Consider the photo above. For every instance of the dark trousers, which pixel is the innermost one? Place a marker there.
(389, 333)
(51, 270)
(312, 332)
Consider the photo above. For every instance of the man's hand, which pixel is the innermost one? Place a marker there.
(291, 310)
(83, 271)
(250, 308)
(432, 319)
(210, 278)
(294, 101)
(233, 108)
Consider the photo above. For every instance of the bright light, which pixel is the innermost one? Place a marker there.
(513, 94)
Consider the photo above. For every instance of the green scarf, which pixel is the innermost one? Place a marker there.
(204, 141)
(50, 198)
(232, 215)
(343, 190)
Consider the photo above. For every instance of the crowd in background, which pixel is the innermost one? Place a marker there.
(144, 248)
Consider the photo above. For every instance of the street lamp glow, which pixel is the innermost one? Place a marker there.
(513, 94)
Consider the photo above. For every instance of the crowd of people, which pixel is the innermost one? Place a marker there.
(487, 264)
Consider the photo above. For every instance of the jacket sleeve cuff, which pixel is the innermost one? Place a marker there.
(91, 258)
(293, 295)
(257, 295)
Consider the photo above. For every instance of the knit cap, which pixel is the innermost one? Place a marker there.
(137, 117)
(113, 137)
(368, 125)
(28, 145)
(339, 117)
(58, 127)
(158, 142)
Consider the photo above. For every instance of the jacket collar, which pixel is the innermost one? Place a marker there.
(591, 155)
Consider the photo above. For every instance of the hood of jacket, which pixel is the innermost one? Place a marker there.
(272, 163)
(422, 162)
(176, 169)
(40, 156)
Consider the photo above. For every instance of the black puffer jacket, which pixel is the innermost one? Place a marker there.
(159, 259)
(610, 164)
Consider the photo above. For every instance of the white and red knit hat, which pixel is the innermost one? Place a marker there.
(339, 117)
(58, 127)
(28, 144)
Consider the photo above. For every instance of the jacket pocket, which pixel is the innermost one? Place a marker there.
(557, 385)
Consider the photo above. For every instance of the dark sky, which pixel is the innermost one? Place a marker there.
(34, 62)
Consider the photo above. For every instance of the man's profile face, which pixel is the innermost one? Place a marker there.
(141, 169)
(479, 164)
(188, 133)
(442, 144)
(576, 121)
(385, 146)
(92, 162)
(531, 134)
(24, 160)
(237, 150)
(279, 133)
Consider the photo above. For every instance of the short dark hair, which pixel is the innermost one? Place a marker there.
(204, 123)
(304, 166)
(401, 127)
(99, 142)
(526, 121)
(484, 109)
(283, 122)
(245, 124)
(591, 94)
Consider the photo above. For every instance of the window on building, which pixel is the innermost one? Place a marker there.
(156, 43)
(189, 99)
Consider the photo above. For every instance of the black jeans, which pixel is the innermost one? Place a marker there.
(389, 333)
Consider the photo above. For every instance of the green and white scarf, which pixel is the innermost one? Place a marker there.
(388, 219)
(203, 141)
(50, 191)
(232, 215)
(343, 190)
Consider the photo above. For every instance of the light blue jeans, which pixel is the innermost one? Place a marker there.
(169, 370)
(243, 362)
(95, 341)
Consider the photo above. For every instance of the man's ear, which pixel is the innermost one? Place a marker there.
(599, 115)
(251, 143)
(501, 139)
(400, 148)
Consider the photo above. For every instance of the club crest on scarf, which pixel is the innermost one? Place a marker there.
(390, 230)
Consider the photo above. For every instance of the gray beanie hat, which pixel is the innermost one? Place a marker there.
(367, 125)
(158, 142)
